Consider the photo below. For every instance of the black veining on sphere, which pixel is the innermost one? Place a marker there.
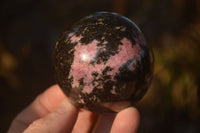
(61, 61)
(109, 29)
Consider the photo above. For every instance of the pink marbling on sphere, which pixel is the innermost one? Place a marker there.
(83, 54)
(126, 52)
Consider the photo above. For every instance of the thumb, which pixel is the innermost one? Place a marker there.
(60, 121)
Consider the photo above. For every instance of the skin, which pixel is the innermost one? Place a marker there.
(52, 112)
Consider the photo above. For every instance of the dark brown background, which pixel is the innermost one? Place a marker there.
(29, 30)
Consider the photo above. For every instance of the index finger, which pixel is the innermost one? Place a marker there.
(126, 121)
(45, 103)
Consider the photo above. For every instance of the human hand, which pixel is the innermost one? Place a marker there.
(51, 112)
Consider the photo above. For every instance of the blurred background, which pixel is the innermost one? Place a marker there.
(29, 30)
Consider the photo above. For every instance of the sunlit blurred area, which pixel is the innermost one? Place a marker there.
(29, 31)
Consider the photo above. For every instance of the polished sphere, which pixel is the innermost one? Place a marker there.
(103, 63)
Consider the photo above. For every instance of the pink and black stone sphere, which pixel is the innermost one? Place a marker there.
(103, 63)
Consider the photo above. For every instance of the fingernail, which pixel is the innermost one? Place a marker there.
(65, 106)
(61, 110)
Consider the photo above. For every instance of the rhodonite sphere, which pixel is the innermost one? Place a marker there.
(102, 63)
